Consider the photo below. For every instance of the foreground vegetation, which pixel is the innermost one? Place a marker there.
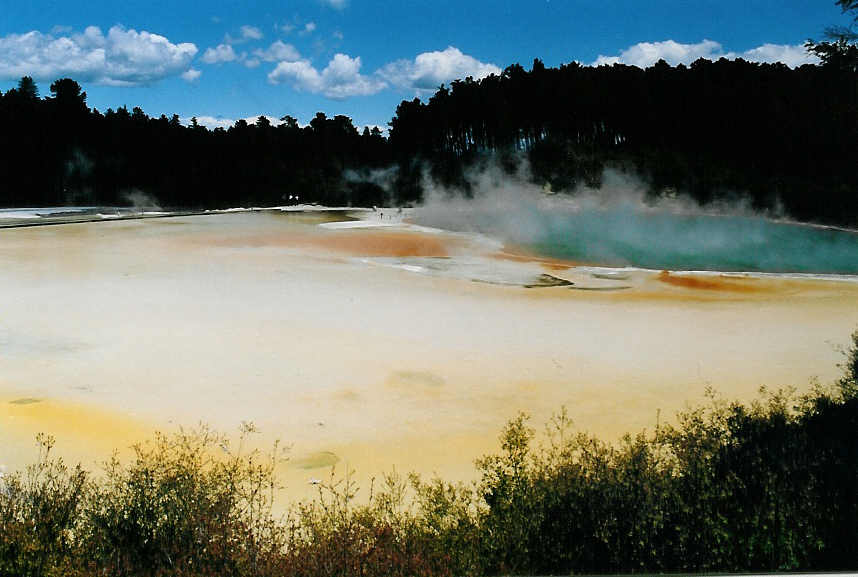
(729, 487)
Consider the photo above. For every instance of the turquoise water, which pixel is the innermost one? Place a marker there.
(699, 242)
(660, 240)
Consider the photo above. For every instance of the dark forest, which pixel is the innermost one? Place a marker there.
(712, 130)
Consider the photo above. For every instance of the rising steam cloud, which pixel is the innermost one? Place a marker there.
(619, 225)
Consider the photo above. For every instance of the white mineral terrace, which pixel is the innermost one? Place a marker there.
(371, 346)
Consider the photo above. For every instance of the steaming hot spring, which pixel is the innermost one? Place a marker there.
(378, 338)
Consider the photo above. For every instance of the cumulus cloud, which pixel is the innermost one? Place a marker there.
(279, 51)
(335, 4)
(430, 69)
(251, 33)
(191, 75)
(221, 53)
(341, 78)
(309, 27)
(646, 54)
(123, 57)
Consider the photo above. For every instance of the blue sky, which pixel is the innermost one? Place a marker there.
(224, 59)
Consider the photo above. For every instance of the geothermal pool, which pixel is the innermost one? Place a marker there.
(375, 343)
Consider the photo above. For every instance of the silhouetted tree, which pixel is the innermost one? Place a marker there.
(840, 50)
(27, 88)
(69, 94)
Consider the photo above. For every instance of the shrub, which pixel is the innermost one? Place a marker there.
(39, 514)
(770, 486)
(186, 504)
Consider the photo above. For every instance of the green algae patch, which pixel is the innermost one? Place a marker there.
(25, 401)
(318, 460)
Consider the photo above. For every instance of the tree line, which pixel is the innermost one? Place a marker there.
(58, 151)
(710, 130)
(782, 137)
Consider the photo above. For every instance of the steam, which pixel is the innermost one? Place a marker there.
(620, 225)
(78, 164)
(77, 169)
(141, 201)
(383, 178)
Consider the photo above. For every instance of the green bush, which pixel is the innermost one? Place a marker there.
(40, 512)
(187, 504)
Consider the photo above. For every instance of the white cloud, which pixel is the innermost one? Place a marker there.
(296, 26)
(430, 69)
(278, 51)
(247, 33)
(335, 4)
(646, 54)
(274, 120)
(221, 53)
(251, 33)
(342, 78)
(191, 75)
(123, 57)
(339, 79)
(791, 55)
(212, 122)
